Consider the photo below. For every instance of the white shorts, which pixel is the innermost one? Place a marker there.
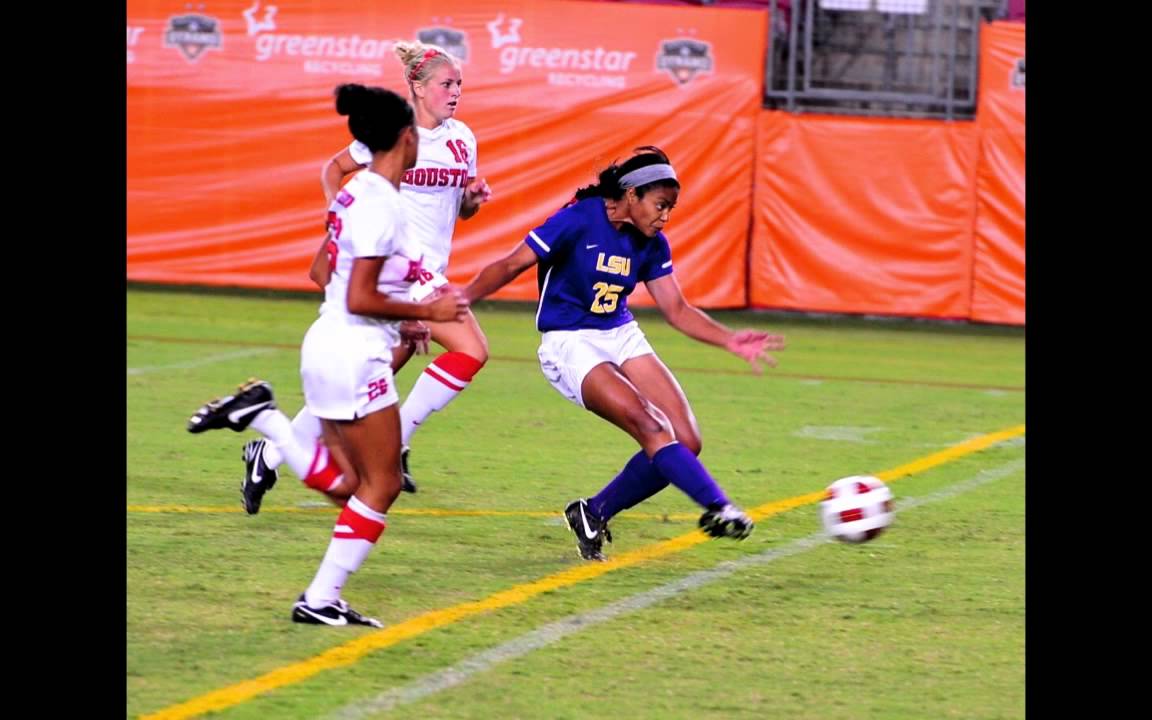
(346, 369)
(428, 282)
(567, 356)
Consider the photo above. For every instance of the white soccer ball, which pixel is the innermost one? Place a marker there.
(856, 509)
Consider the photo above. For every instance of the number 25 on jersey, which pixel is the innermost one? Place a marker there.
(606, 297)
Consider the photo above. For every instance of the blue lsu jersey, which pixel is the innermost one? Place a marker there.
(588, 268)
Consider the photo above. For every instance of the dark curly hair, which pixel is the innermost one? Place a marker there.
(375, 115)
(609, 180)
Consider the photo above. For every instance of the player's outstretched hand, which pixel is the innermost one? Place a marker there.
(753, 346)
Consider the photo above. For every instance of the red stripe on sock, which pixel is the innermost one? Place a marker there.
(323, 478)
(459, 365)
(360, 527)
(443, 380)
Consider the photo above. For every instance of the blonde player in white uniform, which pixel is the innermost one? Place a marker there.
(440, 188)
(346, 356)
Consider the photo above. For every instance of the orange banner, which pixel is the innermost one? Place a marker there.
(230, 117)
(863, 215)
(998, 277)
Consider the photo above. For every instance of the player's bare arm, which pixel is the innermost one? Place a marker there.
(751, 345)
(684, 317)
(321, 270)
(500, 273)
(338, 167)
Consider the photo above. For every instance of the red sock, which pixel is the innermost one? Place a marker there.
(323, 474)
(359, 522)
(454, 369)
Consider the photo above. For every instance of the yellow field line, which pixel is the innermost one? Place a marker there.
(429, 512)
(964, 448)
(353, 650)
(212, 509)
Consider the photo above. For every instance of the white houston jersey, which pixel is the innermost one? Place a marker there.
(367, 220)
(432, 190)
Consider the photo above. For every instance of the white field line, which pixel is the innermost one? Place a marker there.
(211, 359)
(462, 671)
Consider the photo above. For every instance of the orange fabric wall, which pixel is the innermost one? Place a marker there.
(230, 122)
(998, 282)
(898, 217)
(863, 215)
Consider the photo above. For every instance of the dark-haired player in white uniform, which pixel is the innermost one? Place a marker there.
(440, 188)
(346, 355)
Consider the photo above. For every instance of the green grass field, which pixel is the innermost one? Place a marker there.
(927, 621)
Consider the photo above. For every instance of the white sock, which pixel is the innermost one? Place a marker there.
(354, 536)
(276, 426)
(306, 428)
(431, 392)
(443, 379)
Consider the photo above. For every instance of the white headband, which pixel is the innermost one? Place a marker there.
(647, 174)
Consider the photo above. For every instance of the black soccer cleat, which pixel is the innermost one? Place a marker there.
(590, 531)
(406, 483)
(234, 412)
(258, 477)
(726, 521)
(336, 614)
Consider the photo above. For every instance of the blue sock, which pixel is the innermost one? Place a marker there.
(684, 470)
(637, 482)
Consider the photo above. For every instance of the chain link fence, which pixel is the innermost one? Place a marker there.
(905, 58)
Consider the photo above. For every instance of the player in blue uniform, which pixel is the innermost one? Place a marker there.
(591, 254)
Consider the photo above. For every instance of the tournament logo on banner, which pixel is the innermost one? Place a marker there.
(683, 59)
(1018, 74)
(454, 41)
(192, 35)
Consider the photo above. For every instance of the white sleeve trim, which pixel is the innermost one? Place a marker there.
(532, 234)
(357, 151)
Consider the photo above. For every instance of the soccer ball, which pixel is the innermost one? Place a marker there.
(856, 509)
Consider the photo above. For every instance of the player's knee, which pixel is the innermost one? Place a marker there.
(473, 344)
(480, 354)
(651, 422)
(479, 349)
